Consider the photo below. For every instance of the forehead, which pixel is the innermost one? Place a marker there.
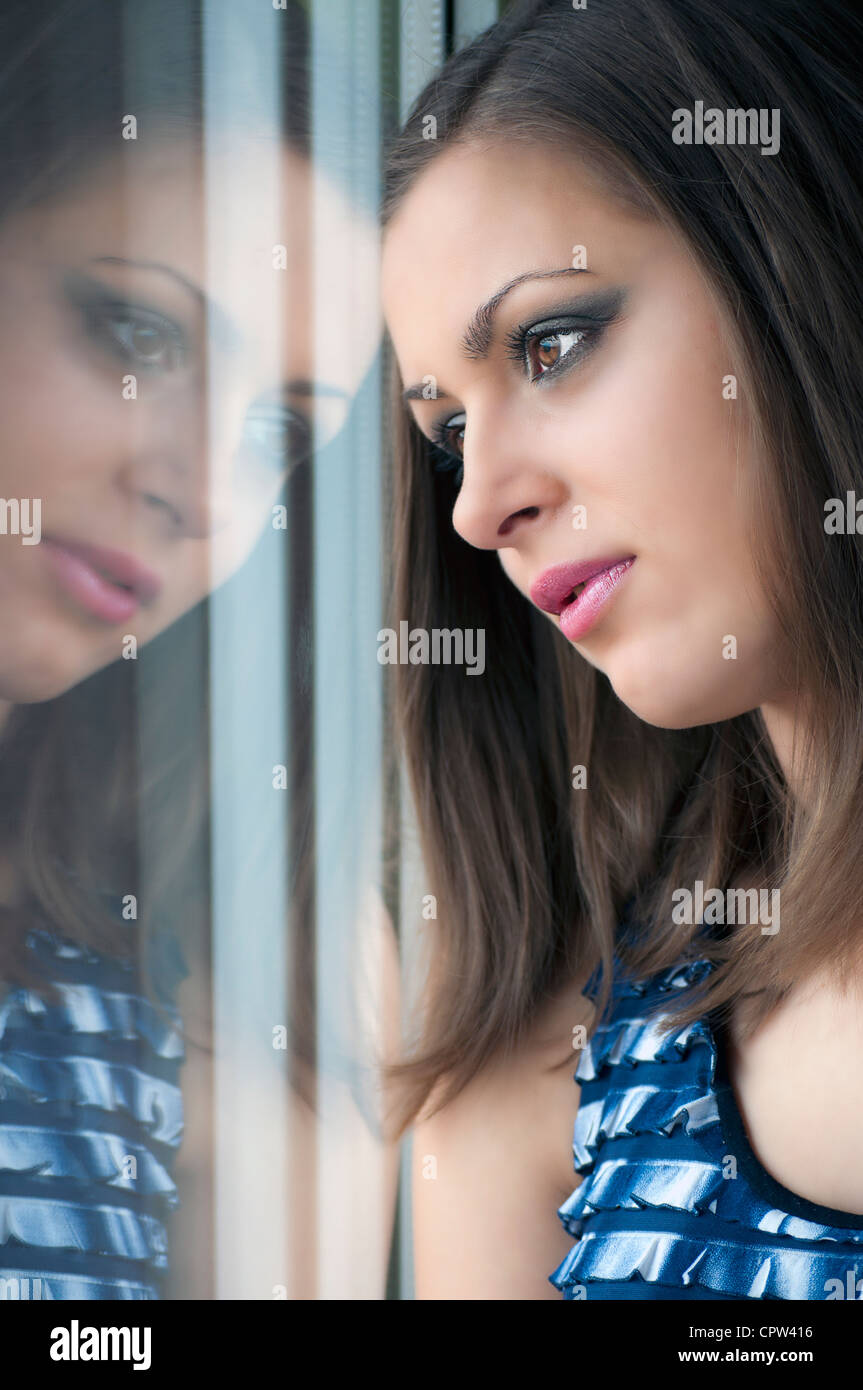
(274, 244)
(480, 214)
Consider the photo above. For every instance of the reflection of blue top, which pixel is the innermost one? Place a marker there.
(90, 1121)
(674, 1203)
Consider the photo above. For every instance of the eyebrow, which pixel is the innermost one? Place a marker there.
(476, 339)
(301, 386)
(224, 326)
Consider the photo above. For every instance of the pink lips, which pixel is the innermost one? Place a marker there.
(108, 583)
(553, 589)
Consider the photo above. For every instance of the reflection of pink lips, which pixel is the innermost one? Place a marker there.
(553, 592)
(108, 583)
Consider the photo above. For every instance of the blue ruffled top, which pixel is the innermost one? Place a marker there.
(90, 1120)
(673, 1203)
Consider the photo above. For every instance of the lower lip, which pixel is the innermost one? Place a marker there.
(91, 589)
(578, 617)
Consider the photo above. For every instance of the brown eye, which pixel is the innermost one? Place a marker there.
(547, 351)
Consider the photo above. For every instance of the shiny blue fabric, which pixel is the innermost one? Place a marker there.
(91, 1117)
(674, 1203)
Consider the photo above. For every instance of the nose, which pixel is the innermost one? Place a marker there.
(508, 487)
(183, 459)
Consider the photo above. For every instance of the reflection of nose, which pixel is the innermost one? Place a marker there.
(507, 486)
(184, 462)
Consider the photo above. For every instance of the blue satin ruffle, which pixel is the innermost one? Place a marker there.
(91, 1117)
(661, 1211)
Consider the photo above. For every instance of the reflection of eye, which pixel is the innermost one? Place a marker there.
(141, 337)
(280, 432)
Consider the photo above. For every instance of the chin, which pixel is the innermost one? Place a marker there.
(36, 692)
(666, 695)
(35, 682)
(667, 718)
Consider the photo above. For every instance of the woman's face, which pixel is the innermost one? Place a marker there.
(594, 417)
(156, 356)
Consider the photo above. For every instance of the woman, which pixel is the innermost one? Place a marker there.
(155, 390)
(621, 277)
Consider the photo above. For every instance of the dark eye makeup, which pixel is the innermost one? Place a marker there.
(136, 334)
(547, 349)
(140, 337)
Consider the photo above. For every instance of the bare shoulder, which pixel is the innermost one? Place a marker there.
(492, 1166)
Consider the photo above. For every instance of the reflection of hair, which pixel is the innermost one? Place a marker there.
(531, 882)
(109, 781)
(70, 77)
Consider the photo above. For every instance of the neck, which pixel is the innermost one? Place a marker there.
(784, 722)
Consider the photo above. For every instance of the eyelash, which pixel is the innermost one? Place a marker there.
(101, 317)
(517, 340)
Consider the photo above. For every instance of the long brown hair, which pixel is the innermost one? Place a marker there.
(533, 884)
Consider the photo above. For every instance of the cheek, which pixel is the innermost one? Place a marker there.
(59, 426)
(673, 467)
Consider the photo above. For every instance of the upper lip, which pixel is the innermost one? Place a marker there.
(123, 568)
(554, 585)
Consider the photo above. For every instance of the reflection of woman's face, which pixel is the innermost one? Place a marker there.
(148, 272)
(600, 390)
